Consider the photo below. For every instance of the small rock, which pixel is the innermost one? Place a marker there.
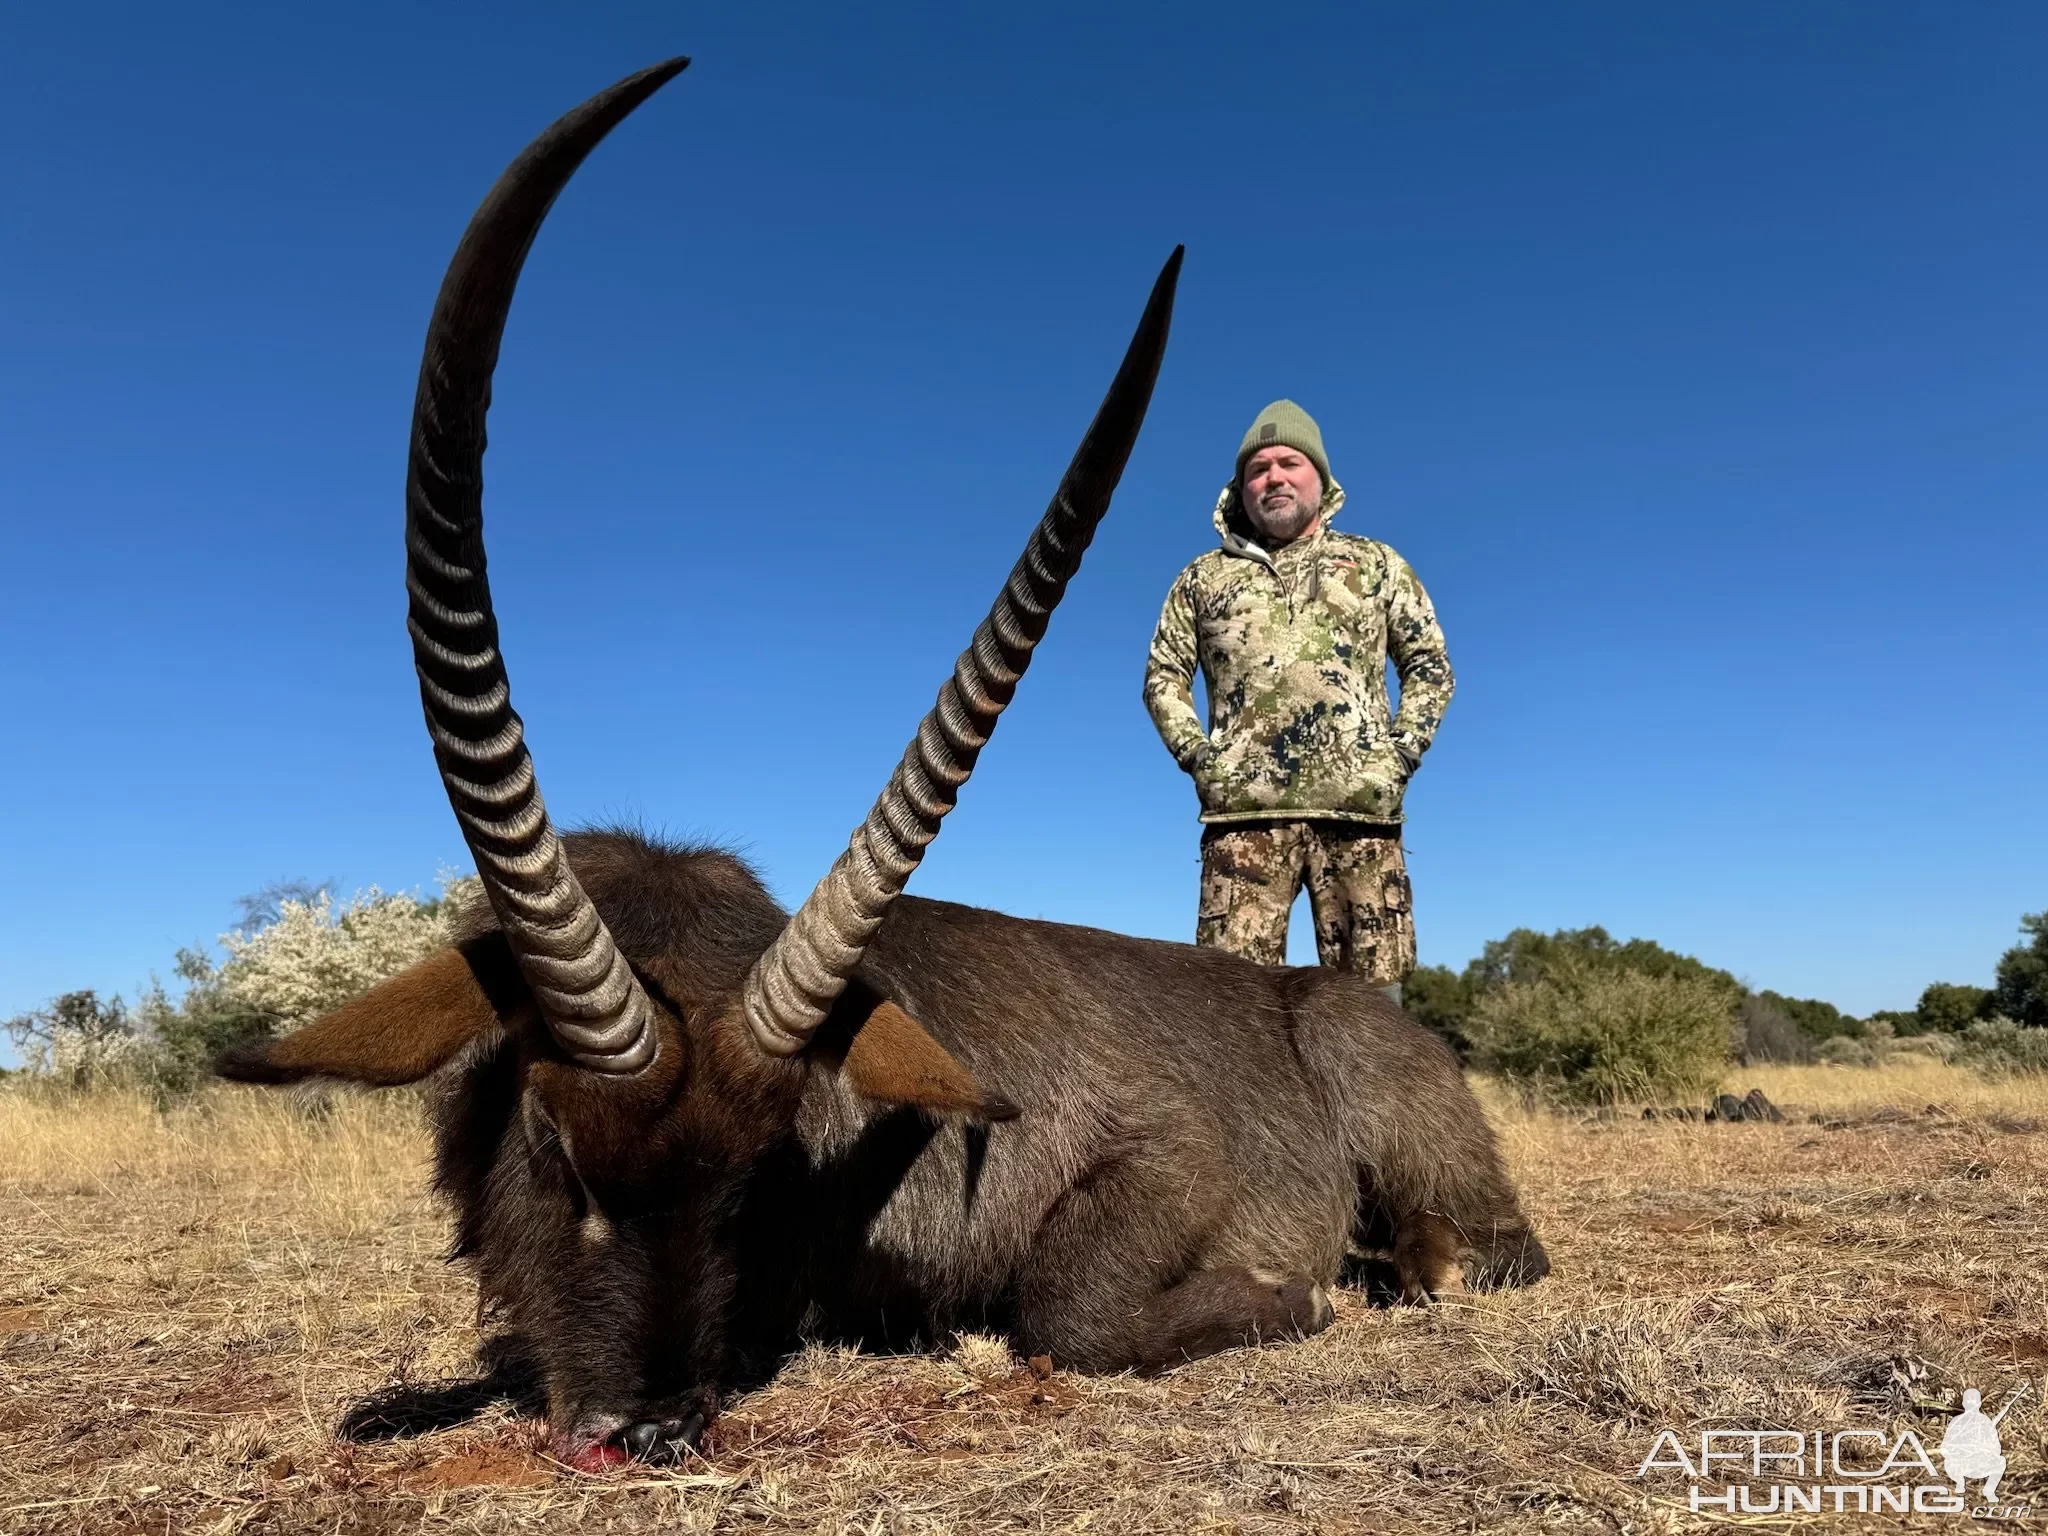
(1752, 1106)
(1757, 1107)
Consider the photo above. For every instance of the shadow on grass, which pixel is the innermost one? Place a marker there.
(511, 1376)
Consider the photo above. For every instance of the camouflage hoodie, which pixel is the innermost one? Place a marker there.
(1293, 646)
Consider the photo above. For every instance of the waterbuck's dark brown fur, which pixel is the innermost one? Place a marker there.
(1123, 1152)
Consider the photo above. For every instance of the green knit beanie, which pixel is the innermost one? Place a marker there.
(1285, 424)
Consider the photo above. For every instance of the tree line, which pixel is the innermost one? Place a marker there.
(1576, 1014)
(1603, 1019)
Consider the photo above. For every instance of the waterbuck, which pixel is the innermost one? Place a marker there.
(681, 1129)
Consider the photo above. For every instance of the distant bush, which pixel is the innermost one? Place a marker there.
(1999, 1047)
(1437, 998)
(1769, 1033)
(2020, 991)
(1592, 1034)
(1526, 955)
(1949, 1008)
(1873, 1047)
(1445, 1001)
(297, 956)
(1937, 1046)
(81, 1043)
(1845, 1051)
(1815, 1019)
(1767, 1026)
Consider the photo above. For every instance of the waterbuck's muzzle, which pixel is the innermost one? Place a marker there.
(594, 1006)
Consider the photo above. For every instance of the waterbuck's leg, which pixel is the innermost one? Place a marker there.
(1225, 1308)
(1102, 1298)
(1424, 1247)
(1426, 1253)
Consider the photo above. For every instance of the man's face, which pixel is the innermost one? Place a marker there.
(1281, 492)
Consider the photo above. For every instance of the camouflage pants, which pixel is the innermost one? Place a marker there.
(1357, 891)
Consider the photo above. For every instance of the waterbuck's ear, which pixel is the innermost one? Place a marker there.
(400, 1030)
(886, 1057)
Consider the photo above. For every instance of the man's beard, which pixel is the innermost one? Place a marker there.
(1288, 520)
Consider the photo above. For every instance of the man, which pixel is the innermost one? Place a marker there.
(1301, 772)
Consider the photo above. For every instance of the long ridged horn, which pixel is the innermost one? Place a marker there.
(791, 987)
(588, 995)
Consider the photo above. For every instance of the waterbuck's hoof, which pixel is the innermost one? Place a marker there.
(1305, 1304)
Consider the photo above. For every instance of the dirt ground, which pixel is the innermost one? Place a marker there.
(190, 1301)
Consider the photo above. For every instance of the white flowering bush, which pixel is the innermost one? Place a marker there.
(79, 1043)
(298, 956)
(316, 956)
(76, 1059)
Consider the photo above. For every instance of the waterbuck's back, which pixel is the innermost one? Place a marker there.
(1121, 1053)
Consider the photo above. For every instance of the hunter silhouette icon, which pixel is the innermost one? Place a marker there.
(1970, 1449)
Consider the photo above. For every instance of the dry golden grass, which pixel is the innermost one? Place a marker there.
(1907, 1079)
(188, 1302)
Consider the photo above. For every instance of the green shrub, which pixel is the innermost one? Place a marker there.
(1526, 955)
(1444, 1000)
(1878, 1043)
(1437, 998)
(1949, 1007)
(1588, 1033)
(1941, 1047)
(2021, 990)
(1999, 1047)
(1846, 1051)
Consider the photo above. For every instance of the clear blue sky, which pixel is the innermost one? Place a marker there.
(1696, 356)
